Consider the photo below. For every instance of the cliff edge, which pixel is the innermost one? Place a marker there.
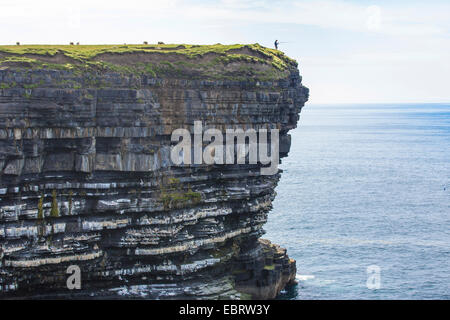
(87, 179)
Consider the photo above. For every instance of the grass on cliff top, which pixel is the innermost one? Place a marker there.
(69, 57)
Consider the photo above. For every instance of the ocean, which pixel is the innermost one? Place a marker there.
(367, 185)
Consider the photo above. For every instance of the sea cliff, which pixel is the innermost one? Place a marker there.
(86, 176)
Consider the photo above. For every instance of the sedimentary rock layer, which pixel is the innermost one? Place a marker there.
(86, 180)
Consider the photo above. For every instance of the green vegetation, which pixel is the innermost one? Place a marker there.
(83, 53)
(177, 196)
(166, 60)
(269, 267)
(17, 59)
(246, 296)
(40, 207)
(69, 83)
(174, 181)
(179, 199)
(31, 86)
(54, 212)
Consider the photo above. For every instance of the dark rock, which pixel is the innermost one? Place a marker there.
(86, 180)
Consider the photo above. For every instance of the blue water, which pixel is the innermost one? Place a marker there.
(367, 185)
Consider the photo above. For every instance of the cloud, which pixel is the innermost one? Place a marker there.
(373, 21)
(416, 19)
(388, 19)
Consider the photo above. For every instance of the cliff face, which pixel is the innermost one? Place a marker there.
(86, 177)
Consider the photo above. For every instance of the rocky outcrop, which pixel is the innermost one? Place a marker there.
(86, 180)
(263, 271)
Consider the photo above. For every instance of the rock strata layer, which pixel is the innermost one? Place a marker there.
(86, 180)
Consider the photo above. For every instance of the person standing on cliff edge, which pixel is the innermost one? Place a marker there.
(276, 44)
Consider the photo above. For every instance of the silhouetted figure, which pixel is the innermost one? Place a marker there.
(276, 44)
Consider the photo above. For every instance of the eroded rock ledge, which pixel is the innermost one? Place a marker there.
(86, 179)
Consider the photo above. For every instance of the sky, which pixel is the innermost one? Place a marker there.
(348, 51)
